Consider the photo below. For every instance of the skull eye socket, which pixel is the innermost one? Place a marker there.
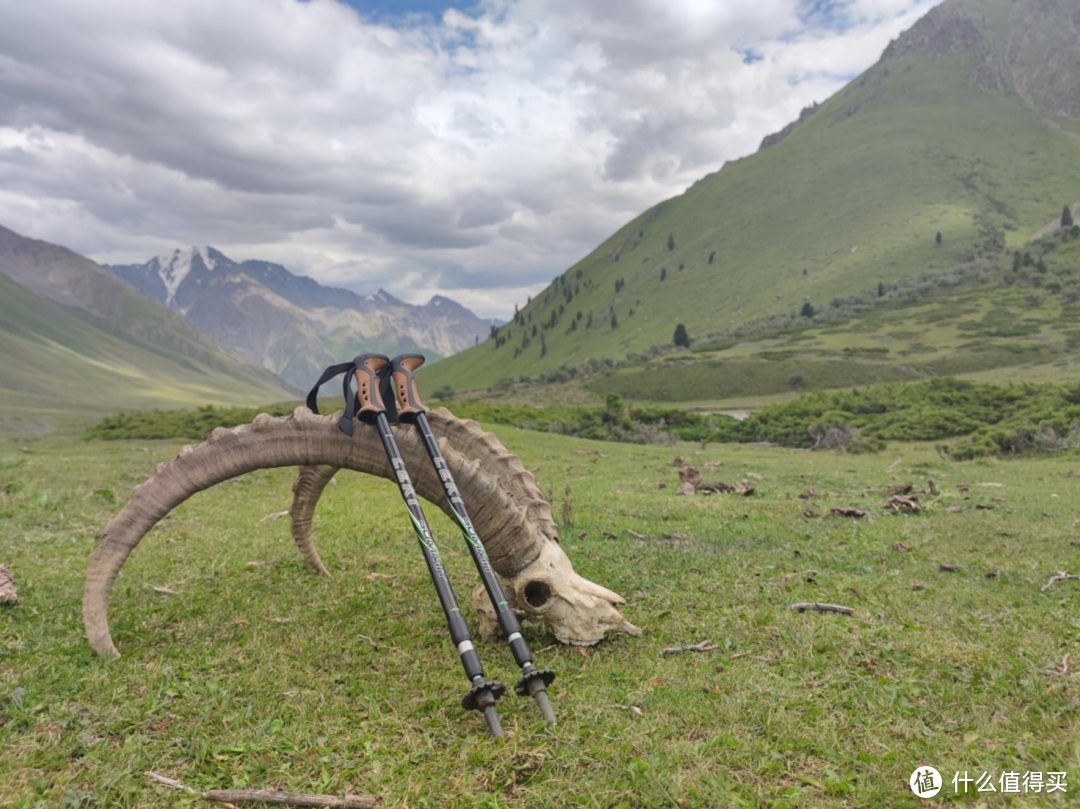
(537, 594)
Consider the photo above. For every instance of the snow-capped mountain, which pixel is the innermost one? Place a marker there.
(290, 324)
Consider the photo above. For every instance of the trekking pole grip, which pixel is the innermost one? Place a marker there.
(401, 371)
(368, 368)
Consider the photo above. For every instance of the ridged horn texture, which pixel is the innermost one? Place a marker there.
(464, 436)
(541, 586)
(512, 540)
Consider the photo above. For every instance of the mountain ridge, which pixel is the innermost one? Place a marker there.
(932, 139)
(292, 325)
(77, 341)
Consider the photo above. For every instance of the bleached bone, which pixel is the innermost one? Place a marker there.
(511, 518)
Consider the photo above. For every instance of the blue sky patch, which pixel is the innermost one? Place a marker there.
(830, 14)
(388, 9)
(749, 56)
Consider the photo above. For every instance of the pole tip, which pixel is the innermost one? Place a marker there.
(541, 698)
(493, 722)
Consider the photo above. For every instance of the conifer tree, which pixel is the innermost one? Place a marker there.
(681, 338)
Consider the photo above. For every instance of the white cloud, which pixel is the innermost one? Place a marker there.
(474, 156)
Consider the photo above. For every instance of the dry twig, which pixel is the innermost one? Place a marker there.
(234, 796)
(704, 646)
(1061, 669)
(1061, 575)
(277, 515)
(818, 607)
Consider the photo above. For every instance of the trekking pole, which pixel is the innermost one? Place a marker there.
(366, 368)
(534, 681)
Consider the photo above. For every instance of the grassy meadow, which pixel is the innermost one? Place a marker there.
(256, 672)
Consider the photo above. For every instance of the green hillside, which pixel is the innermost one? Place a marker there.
(1007, 323)
(64, 367)
(935, 138)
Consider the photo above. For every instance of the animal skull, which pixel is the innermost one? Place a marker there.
(548, 591)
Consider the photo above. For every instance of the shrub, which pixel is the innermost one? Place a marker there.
(982, 420)
(681, 338)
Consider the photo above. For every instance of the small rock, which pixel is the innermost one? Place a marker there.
(847, 511)
(903, 504)
(17, 692)
(917, 588)
(8, 593)
(685, 488)
(691, 475)
(661, 484)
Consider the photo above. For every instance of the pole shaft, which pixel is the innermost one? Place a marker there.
(459, 630)
(508, 622)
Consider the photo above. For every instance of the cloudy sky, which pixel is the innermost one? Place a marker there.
(472, 149)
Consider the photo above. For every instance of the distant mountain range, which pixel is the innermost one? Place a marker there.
(292, 325)
(77, 342)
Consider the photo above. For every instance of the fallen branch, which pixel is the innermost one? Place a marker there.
(1061, 575)
(635, 534)
(818, 607)
(165, 591)
(277, 515)
(233, 796)
(704, 646)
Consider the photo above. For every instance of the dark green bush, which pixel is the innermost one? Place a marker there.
(193, 424)
(982, 420)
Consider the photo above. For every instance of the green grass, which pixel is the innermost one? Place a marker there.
(854, 197)
(988, 329)
(983, 320)
(63, 368)
(259, 673)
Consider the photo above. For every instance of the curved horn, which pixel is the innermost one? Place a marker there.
(462, 435)
(307, 489)
(303, 439)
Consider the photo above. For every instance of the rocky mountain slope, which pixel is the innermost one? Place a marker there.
(963, 140)
(292, 325)
(76, 341)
